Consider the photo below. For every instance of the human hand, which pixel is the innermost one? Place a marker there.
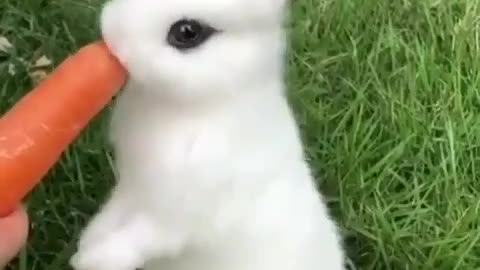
(13, 235)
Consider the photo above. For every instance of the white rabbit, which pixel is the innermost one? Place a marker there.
(212, 174)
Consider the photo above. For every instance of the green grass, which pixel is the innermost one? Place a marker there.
(387, 95)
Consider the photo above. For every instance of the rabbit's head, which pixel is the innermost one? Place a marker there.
(193, 48)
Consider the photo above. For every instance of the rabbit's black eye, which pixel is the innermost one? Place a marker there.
(188, 34)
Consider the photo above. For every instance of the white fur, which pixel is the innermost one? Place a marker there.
(212, 171)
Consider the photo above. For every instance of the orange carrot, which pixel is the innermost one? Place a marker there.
(36, 131)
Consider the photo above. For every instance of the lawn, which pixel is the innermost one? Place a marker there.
(387, 96)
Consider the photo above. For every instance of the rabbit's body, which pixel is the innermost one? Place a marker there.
(212, 174)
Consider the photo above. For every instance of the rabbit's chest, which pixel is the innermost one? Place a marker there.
(174, 162)
(153, 141)
(191, 146)
(172, 146)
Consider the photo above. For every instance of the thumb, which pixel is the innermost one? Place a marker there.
(13, 235)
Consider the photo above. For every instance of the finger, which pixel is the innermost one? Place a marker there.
(13, 235)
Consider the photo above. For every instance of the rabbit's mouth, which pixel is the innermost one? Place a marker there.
(118, 52)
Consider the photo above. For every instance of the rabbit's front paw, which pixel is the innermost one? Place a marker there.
(106, 255)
